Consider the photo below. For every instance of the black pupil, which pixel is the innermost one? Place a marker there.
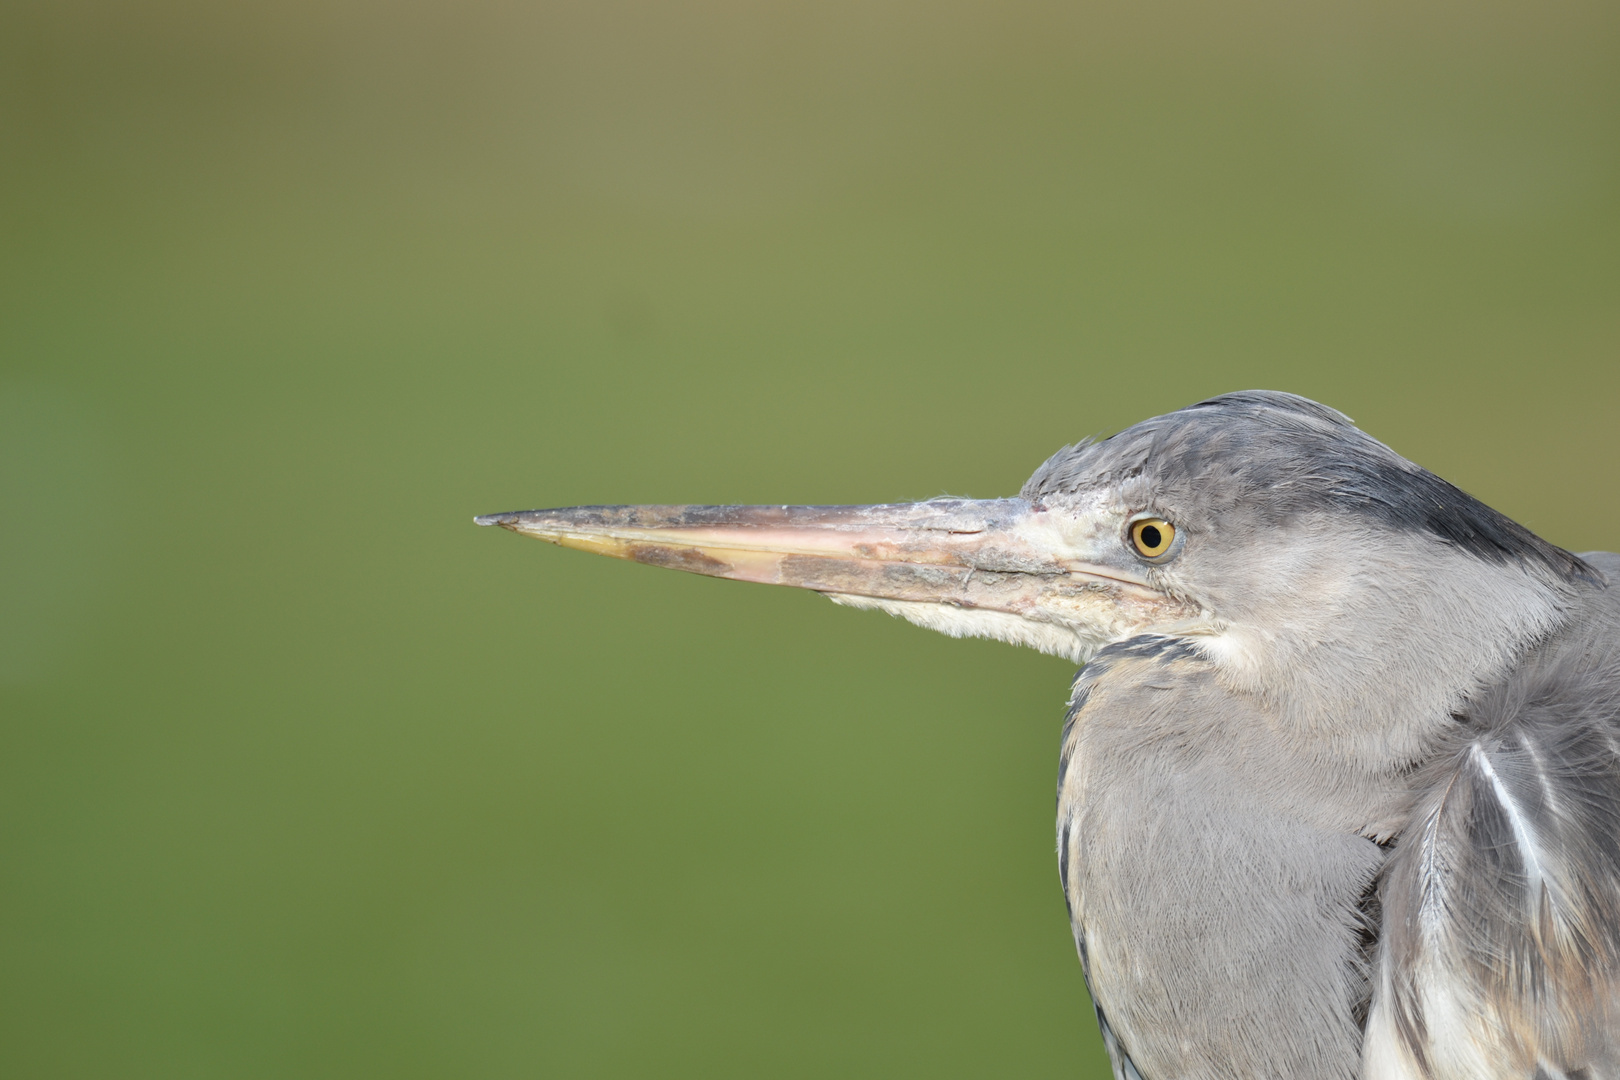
(1150, 536)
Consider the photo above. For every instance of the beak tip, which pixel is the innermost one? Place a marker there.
(493, 519)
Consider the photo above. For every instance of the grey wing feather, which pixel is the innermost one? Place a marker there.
(1124, 1067)
(1501, 948)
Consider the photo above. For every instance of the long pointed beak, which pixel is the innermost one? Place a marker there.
(1004, 555)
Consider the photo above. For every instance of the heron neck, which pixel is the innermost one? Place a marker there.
(1368, 664)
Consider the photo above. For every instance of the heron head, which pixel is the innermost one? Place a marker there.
(1299, 554)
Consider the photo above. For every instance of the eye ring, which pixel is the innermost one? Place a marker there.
(1152, 537)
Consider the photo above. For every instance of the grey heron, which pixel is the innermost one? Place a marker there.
(1339, 781)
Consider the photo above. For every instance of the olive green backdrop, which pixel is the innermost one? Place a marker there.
(302, 775)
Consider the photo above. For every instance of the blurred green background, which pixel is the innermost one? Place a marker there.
(304, 775)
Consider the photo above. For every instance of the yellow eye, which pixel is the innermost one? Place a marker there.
(1152, 537)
